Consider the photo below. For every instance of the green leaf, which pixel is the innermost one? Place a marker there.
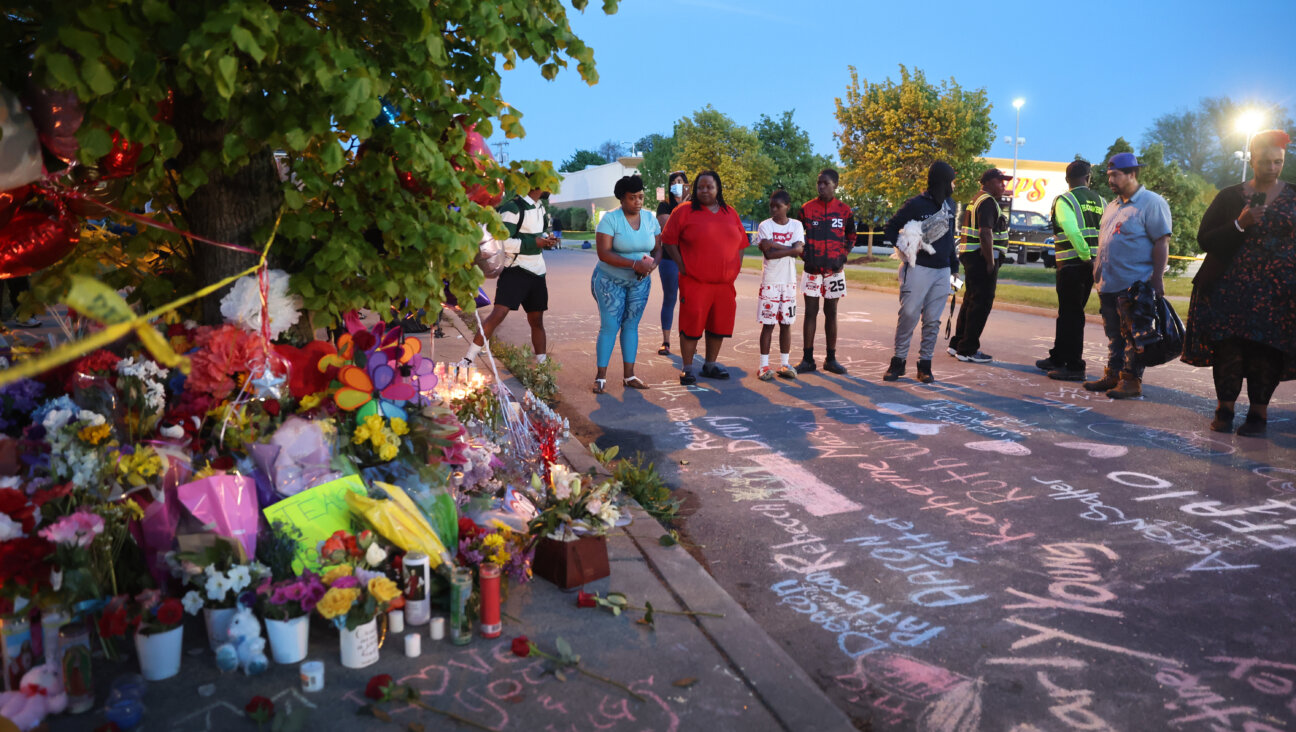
(293, 199)
(119, 48)
(332, 160)
(95, 142)
(564, 648)
(648, 614)
(62, 69)
(246, 43)
(667, 540)
(97, 76)
(226, 70)
(297, 138)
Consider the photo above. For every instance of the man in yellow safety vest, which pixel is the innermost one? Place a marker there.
(1076, 216)
(983, 245)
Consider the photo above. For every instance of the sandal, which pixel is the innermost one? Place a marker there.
(664, 350)
(634, 382)
(598, 385)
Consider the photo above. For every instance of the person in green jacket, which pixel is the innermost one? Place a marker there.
(1076, 215)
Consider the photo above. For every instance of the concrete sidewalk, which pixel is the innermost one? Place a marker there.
(693, 673)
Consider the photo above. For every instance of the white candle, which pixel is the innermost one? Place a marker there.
(438, 628)
(413, 645)
(312, 675)
(396, 621)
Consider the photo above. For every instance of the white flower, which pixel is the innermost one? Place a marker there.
(217, 586)
(9, 529)
(55, 420)
(242, 304)
(192, 602)
(239, 578)
(375, 555)
(259, 570)
(594, 506)
(609, 514)
(92, 419)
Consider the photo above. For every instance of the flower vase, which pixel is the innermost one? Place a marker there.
(75, 666)
(360, 646)
(571, 561)
(218, 623)
(288, 638)
(159, 653)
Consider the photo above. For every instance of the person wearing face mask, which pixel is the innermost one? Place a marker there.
(1242, 317)
(706, 239)
(676, 193)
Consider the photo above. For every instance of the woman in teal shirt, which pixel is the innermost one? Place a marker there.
(629, 249)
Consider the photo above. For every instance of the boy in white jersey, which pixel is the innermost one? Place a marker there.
(781, 240)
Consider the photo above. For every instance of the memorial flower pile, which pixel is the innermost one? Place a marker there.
(570, 503)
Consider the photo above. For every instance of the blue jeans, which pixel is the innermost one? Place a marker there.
(1121, 355)
(620, 305)
(668, 271)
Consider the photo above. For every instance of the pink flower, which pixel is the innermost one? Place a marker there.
(79, 529)
(345, 582)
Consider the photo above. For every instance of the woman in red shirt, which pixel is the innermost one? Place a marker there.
(705, 238)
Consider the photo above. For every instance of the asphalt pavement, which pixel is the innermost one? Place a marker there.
(992, 551)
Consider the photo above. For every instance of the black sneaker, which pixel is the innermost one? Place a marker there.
(895, 370)
(1047, 364)
(806, 366)
(924, 371)
(1064, 373)
(978, 357)
(714, 371)
(832, 367)
(687, 378)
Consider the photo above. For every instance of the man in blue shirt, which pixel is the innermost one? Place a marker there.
(1133, 246)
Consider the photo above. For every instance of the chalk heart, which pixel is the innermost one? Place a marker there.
(1097, 449)
(896, 409)
(1003, 447)
(916, 428)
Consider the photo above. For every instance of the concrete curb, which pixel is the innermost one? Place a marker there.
(785, 689)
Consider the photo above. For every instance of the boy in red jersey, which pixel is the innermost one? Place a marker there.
(829, 237)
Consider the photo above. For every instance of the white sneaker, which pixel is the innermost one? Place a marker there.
(951, 351)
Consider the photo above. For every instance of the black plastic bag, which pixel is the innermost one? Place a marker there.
(1154, 326)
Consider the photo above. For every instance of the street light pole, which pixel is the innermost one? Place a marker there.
(1017, 103)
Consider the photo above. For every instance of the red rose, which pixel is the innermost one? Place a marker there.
(585, 599)
(271, 407)
(14, 503)
(378, 686)
(22, 563)
(170, 612)
(45, 495)
(113, 621)
(224, 462)
(521, 646)
(260, 709)
(468, 528)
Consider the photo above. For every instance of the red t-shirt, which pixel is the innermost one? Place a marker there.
(710, 244)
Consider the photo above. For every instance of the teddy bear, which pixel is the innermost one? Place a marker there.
(40, 694)
(246, 648)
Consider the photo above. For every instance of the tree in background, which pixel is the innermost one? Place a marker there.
(610, 150)
(1188, 195)
(710, 140)
(892, 132)
(307, 80)
(657, 152)
(796, 166)
(582, 159)
(1204, 140)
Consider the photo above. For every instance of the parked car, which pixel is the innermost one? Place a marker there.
(1030, 227)
(1050, 254)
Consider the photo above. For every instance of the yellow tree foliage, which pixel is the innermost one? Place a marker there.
(892, 132)
(711, 140)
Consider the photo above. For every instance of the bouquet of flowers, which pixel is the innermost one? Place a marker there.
(72, 535)
(77, 439)
(572, 504)
(217, 578)
(154, 613)
(291, 598)
(141, 383)
(512, 550)
(355, 596)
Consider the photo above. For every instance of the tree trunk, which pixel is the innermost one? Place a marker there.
(228, 208)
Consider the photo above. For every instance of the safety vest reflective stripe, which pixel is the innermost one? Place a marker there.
(972, 237)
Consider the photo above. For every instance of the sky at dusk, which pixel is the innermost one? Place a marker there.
(1089, 71)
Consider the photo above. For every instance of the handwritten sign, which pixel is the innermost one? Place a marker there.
(318, 512)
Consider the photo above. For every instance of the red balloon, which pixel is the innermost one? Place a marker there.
(58, 116)
(120, 161)
(12, 200)
(481, 194)
(35, 239)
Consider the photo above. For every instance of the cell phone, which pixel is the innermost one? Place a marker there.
(1257, 199)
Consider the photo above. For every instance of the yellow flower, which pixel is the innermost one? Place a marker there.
(383, 589)
(337, 602)
(386, 452)
(501, 557)
(94, 434)
(133, 508)
(336, 573)
(310, 401)
(362, 433)
(391, 439)
(493, 542)
(399, 426)
(374, 422)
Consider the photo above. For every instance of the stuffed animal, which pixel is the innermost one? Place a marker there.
(910, 242)
(39, 695)
(246, 648)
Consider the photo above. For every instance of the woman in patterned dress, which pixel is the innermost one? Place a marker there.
(1242, 318)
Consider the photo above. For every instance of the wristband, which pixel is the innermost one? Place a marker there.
(1238, 226)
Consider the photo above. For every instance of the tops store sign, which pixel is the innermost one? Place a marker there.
(1036, 185)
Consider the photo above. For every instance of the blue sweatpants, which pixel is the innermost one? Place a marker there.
(668, 271)
(620, 305)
